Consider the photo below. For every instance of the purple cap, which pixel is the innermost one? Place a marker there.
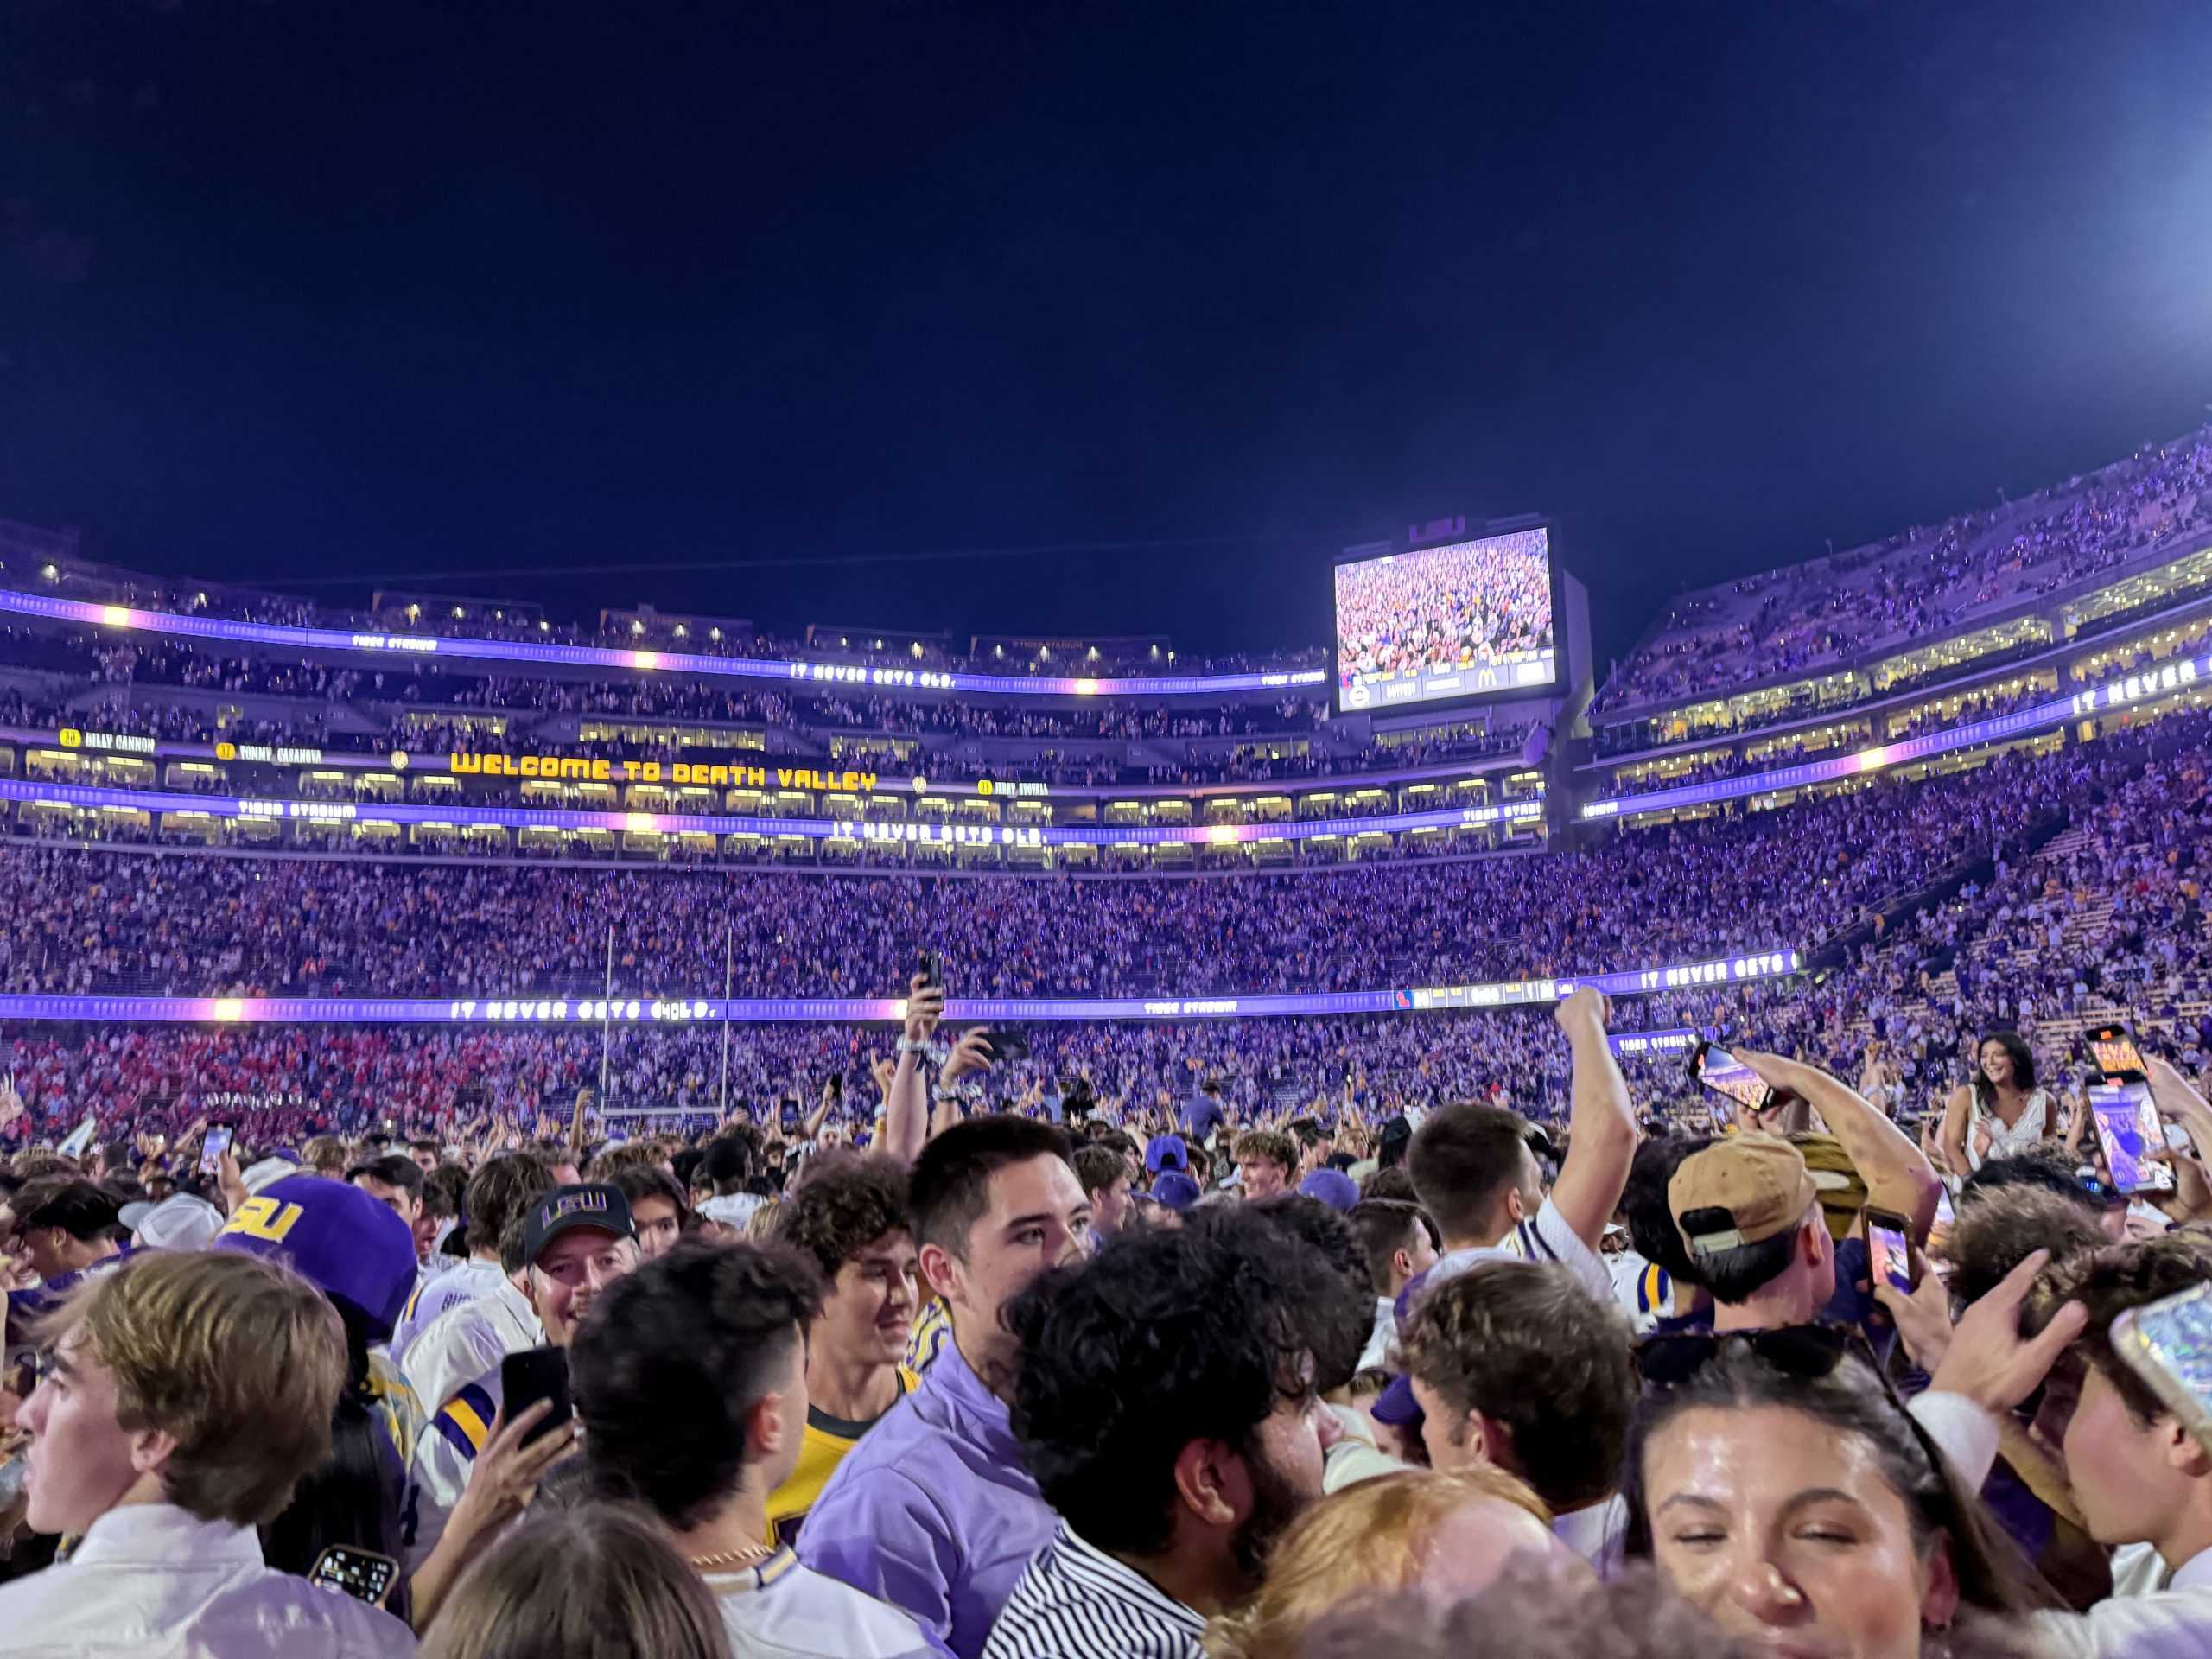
(1333, 1187)
(1396, 1404)
(1166, 1151)
(337, 1238)
(1175, 1190)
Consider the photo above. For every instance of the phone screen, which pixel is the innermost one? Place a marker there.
(218, 1142)
(2128, 1125)
(535, 1374)
(2169, 1344)
(1890, 1250)
(361, 1573)
(2117, 1056)
(1721, 1071)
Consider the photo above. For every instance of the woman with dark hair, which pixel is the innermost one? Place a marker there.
(352, 1497)
(1781, 1488)
(2001, 1111)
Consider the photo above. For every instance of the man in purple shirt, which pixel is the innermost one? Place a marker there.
(935, 1511)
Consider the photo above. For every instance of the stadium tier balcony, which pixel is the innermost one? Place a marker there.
(1976, 592)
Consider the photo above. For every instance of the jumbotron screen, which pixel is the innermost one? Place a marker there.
(1470, 620)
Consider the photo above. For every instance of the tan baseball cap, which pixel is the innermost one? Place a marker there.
(1743, 1190)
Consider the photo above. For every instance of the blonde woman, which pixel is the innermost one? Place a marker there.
(600, 1581)
(1441, 1536)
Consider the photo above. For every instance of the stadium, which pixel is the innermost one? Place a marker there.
(1006, 831)
(402, 863)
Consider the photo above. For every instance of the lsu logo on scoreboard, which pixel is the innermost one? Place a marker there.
(264, 1219)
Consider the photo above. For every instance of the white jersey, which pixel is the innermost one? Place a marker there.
(445, 1457)
(1643, 1290)
(1546, 1238)
(463, 1343)
(432, 1297)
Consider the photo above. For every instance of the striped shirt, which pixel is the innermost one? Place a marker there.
(1075, 1601)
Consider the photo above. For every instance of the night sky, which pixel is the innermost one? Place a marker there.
(1158, 305)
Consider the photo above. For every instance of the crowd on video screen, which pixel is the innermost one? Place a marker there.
(1472, 605)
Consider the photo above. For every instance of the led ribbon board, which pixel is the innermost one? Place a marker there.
(92, 797)
(577, 1011)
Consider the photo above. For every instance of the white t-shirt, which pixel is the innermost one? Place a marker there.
(1377, 1354)
(1597, 1533)
(2175, 1623)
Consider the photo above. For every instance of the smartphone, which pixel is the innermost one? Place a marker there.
(536, 1374)
(2118, 1058)
(836, 1085)
(2169, 1344)
(1012, 1044)
(790, 1119)
(932, 970)
(2128, 1124)
(216, 1142)
(1889, 1247)
(1722, 1072)
(361, 1573)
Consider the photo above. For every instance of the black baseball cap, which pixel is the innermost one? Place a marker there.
(592, 1203)
(81, 1209)
(393, 1171)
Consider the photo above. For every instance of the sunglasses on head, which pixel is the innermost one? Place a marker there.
(1806, 1351)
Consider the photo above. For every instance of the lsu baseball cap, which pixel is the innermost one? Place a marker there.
(1743, 1190)
(1166, 1151)
(594, 1204)
(1175, 1190)
(1333, 1187)
(337, 1238)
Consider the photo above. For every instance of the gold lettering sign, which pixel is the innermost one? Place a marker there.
(568, 768)
(571, 769)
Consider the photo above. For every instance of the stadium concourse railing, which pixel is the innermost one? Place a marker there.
(442, 647)
(2119, 692)
(631, 1011)
(871, 832)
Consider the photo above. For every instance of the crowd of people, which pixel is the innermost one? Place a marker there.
(89, 921)
(1483, 1332)
(1919, 583)
(1202, 1376)
(1948, 912)
(1468, 606)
